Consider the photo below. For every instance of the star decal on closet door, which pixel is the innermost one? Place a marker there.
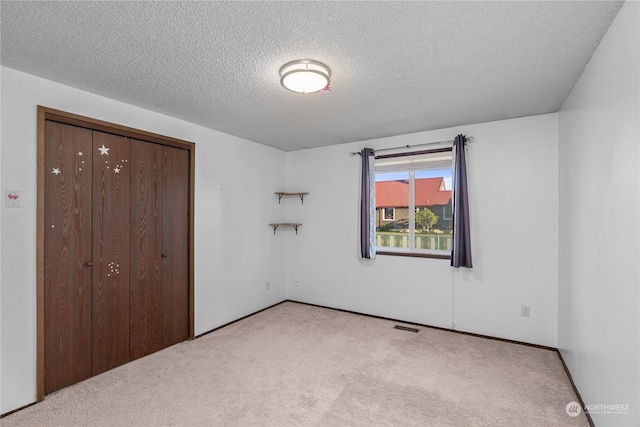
(113, 269)
(103, 150)
(119, 167)
(56, 171)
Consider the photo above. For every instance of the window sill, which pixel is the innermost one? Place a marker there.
(413, 254)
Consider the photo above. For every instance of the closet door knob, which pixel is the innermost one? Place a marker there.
(88, 264)
(165, 256)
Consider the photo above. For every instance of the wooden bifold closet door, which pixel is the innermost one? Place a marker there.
(115, 251)
(67, 255)
(159, 315)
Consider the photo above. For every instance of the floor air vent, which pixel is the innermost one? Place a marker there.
(406, 328)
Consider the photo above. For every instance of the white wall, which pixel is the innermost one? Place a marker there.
(236, 252)
(513, 170)
(599, 325)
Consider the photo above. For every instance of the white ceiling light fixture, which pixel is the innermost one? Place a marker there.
(305, 76)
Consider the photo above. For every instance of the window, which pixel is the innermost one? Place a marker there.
(413, 203)
(448, 211)
(389, 214)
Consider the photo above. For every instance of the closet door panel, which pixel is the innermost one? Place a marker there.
(175, 238)
(67, 250)
(146, 249)
(111, 251)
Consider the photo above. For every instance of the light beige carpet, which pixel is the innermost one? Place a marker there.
(299, 365)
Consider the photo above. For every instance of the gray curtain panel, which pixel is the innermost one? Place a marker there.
(367, 205)
(461, 252)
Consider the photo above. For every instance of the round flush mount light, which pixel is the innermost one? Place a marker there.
(305, 76)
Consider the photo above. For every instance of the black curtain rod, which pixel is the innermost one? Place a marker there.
(353, 153)
(414, 153)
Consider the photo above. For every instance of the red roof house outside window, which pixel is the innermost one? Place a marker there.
(429, 193)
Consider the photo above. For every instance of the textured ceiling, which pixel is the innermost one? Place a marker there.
(397, 67)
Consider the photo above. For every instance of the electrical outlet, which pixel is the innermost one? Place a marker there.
(12, 198)
(297, 283)
(525, 311)
(268, 286)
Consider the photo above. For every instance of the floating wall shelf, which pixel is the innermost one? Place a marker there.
(285, 193)
(295, 225)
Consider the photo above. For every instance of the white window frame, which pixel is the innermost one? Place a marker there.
(384, 214)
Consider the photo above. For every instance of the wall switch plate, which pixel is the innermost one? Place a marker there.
(12, 198)
(525, 311)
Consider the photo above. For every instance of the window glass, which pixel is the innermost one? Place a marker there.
(414, 203)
